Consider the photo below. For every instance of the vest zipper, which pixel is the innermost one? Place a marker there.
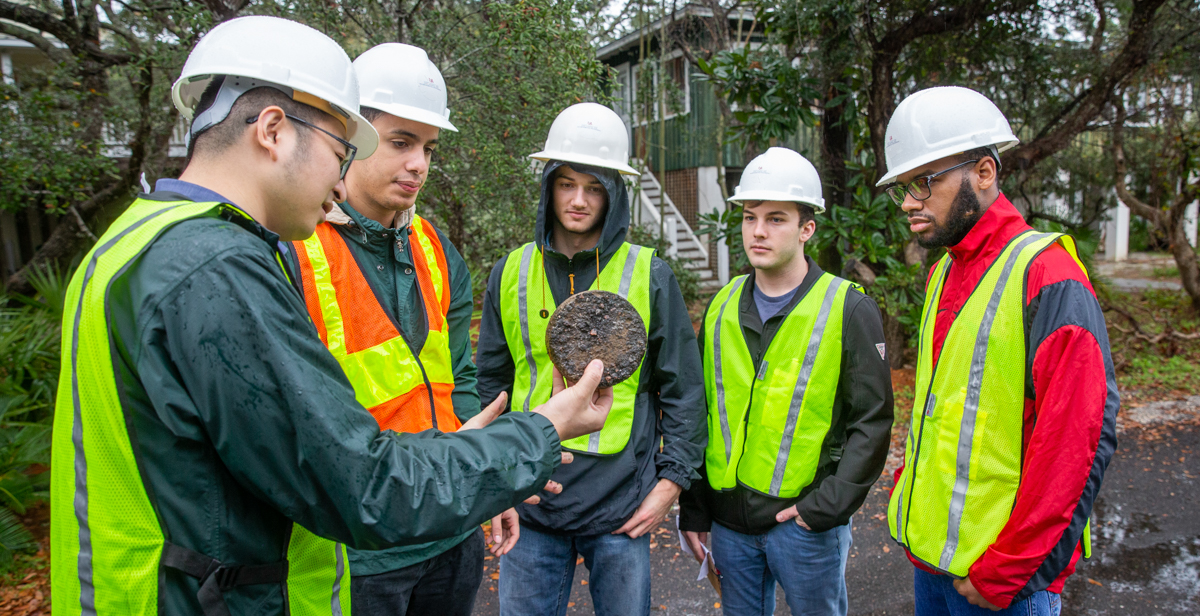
(416, 356)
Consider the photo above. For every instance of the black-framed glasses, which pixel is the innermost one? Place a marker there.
(919, 187)
(351, 150)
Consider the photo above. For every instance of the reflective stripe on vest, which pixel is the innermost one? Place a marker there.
(766, 430)
(523, 295)
(403, 391)
(960, 480)
(106, 542)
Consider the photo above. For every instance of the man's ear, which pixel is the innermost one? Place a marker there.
(985, 169)
(267, 129)
(807, 230)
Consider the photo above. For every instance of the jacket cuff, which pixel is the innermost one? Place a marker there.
(551, 434)
(680, 474)
(692, 516)
(987, 575)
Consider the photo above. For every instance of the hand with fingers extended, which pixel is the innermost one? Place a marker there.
(580, 408)
(653, 509)
(506, 529)
(485, 417)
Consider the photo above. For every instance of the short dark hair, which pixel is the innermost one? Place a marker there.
(222, 135)
(987, 151)
(370, 113)
(806, 211)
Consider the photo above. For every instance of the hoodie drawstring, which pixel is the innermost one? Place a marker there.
(570, 276)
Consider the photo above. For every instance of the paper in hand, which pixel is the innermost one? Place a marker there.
(708, 567)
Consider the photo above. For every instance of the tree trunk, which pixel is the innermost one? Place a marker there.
(1185, 259)
(895, 340)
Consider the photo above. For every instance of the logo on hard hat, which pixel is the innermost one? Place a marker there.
(759, 170)
(891, 141)
(588, 126)
(430, 84)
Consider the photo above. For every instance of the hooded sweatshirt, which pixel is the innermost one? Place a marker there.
(600, 493)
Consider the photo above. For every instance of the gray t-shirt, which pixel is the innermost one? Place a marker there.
(770, 306)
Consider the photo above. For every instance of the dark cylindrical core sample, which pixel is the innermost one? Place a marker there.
(596, 325)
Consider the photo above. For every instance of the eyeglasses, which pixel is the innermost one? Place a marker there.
(351, 151)
(919, 187)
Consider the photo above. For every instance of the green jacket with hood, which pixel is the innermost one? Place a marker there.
(242, 422)
(669, 433)
(384, 256)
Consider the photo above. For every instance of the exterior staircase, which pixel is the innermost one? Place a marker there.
(653, 203)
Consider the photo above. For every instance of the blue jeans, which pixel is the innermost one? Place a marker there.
(536, 576)
(936, 596)
(811, 568)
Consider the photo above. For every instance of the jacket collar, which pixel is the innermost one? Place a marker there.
(369, 231)
(995, 228)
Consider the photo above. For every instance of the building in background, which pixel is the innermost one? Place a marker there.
(694, 173)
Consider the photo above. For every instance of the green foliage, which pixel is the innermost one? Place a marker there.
(13, 538)
(47, 161)
(29, 364)
(768, 92)
(510, 68)
(1172, 373)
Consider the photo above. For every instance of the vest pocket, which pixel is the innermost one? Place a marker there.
(949, 416)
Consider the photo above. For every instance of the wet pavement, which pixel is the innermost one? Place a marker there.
(1146, 555)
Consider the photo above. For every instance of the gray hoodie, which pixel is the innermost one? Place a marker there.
(600, 493)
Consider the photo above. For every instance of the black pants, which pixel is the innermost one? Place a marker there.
(444, 585)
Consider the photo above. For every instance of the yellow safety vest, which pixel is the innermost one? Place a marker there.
(107, 546)
(766, 430)
(962, 460)
(524, 299)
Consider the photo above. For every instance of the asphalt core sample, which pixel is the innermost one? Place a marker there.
(596, 325)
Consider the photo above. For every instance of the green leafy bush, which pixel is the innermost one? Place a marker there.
(29, 362)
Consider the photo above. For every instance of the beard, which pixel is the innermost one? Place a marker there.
(964, 211)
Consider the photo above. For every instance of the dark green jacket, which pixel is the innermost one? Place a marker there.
(242, 422)
(384, 256)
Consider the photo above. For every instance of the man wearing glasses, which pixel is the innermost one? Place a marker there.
(208, 448)
(1013, 422)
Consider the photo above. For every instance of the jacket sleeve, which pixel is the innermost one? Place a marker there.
(462, 305)
(693, 512)
(672, 344)
(1070, 437)
(865, 388)
(283, 419)
(492, 357)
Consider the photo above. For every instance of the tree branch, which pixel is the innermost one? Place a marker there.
(1134, 56)
(43, 44)
(1137, 206)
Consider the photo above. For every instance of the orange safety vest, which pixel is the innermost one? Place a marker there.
(406, 390)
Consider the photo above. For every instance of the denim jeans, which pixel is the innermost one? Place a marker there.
(536, 576)
(936, 596)
(811, 568)
(444, 585)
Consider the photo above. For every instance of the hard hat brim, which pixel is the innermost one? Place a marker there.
(361, 134)
(892, 174)
(594, 161)
(416, 114)
(818, 206)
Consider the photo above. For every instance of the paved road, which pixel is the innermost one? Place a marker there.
(1146, 559)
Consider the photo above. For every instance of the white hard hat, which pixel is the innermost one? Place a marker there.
(780, 174)
(270, 51)
(939, 122)
(589, 134)
(401, 80)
